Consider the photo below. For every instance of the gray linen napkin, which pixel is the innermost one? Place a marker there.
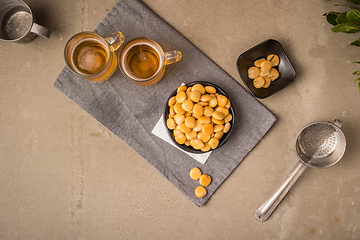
(131, 111)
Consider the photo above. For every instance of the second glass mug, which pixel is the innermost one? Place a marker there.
(143, 61)
(91, 56)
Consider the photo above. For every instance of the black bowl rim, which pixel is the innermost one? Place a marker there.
(226, 136)
(287, 58)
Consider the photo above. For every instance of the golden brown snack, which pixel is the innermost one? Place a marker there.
(195, 173)
(259, 82)
(274, 59)
(205, 180)
(274, 74)
(200, 191)
(253, 72)
(258, 62)
(263, 71)
(267, 82)
(196, 114)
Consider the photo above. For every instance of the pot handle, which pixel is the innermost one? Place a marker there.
(40, 30)
(267, 208)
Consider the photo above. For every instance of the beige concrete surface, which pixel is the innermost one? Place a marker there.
(64, 176)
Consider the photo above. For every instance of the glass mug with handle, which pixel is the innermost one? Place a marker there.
(143, 61)
(91, 56)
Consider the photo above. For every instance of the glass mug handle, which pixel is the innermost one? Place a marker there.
(172, 57)
(115, 40)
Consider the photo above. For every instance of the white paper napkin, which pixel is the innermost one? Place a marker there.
(160, 131)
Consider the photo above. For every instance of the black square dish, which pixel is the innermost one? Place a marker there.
(262, 50)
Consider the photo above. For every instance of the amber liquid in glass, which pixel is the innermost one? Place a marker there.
(90, 57)
(143, 61)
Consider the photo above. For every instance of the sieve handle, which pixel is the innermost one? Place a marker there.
(338, 123)
(267, 208)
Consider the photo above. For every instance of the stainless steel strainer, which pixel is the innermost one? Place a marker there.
(318, 145)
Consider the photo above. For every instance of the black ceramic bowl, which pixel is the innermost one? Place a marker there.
(285, 68)
(224, 138)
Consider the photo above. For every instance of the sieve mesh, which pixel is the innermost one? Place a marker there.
(318, 140)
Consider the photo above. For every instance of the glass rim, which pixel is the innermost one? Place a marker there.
(108, 51)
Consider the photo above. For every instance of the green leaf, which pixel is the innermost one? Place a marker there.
(352, 31)
(345, 28)
(357, 62)
(331, 17)
(359, 86)
(342, 18)
(355, 43)
(358, 79)
(354, 1)
(354, 16)
(356, 73)
(354, 25)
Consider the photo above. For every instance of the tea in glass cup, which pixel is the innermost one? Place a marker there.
(91, 56)
(143, 61)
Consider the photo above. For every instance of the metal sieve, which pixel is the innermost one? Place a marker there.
(318, 145)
